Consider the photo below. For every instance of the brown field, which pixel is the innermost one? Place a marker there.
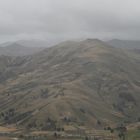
(5, 138)
(7, 129)
(133, 126)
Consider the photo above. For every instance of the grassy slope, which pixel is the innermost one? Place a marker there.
(133, 135)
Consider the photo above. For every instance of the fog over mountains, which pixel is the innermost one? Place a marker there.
(62, 20)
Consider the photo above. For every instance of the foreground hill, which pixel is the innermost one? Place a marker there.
(83, 83)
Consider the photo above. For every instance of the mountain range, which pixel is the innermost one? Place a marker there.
(87, 82)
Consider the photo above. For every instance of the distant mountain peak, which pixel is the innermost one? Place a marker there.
(129, 44)
(15, 45)
(92, 40)
(19, 49)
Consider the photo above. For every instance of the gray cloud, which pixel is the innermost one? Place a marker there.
(67, 19)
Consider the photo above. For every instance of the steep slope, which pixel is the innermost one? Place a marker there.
(74, 82)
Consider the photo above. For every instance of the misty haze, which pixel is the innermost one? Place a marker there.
(69, 70)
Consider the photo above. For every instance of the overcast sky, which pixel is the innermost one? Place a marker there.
(67, 19)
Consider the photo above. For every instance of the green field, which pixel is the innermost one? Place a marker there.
(133, 135)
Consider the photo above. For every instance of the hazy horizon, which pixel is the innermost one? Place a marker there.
(61, 20)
